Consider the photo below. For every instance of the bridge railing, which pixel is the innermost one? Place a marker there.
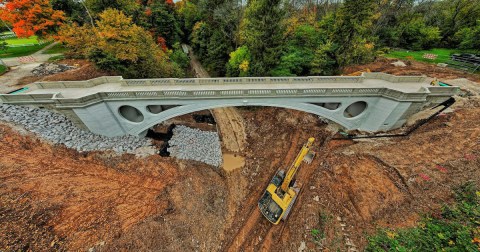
(394, 78)
(79, 84)
(243, 80)
(224, 81)
(268, 93)
(27, 98)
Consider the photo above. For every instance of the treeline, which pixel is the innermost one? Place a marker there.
(305, 37)
(141, 38)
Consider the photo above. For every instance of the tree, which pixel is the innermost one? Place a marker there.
(162, 21)
(416, 35)
(262, 32)
(325, 62)
(74, 10)
(78, 39)
(128, 7)
(116, 44)
(188, 15)
(353, 32)
(239, 62)
(469, 37)
(32, 17)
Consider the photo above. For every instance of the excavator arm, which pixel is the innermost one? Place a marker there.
(296, 163)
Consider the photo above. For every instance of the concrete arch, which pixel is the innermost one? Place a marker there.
(152, 119)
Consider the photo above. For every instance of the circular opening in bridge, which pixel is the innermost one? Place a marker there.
(131, 114)
(355, 109)
(154, 109)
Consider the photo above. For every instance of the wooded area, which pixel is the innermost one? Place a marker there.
(238, 38)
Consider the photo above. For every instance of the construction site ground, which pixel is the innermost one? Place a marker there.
(56, 199)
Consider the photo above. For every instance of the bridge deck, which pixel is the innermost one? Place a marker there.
(406, 87)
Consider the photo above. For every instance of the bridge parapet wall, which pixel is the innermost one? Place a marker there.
(79, 84)
(205, 94)
(394, 78)
(243, 80)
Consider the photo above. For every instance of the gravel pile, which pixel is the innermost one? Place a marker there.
(195, 144)
(59, 129)
(50, 68)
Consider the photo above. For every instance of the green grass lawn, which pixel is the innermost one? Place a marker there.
(21, 41)
(58, 48)
(21, 51)
(443, 54)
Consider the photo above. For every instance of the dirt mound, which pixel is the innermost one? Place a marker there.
(85, 70)
(93, 199)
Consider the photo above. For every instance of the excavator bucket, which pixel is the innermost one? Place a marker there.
(309, 157)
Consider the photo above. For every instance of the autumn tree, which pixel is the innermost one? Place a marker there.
(118, 45)
(31, 17)
(161, 21)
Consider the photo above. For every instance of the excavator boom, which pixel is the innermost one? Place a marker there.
(296, 163)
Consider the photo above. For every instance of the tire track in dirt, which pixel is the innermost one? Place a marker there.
(304, 173)
(254, 223)
(231, 127)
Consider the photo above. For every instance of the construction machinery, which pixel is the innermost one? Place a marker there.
(281, 193)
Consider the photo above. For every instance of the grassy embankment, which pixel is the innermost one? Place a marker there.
(455, 228)
(32, 45)
(443, 54)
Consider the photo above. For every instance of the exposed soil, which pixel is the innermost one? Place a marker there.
(85, 71)
(412, 68)
(52, 198)
(231, 128)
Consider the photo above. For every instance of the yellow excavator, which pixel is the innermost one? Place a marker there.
(281, 193)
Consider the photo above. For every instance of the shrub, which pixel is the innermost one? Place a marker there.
(455, 230)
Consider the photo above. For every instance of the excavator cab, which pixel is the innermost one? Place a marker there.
(282, 191)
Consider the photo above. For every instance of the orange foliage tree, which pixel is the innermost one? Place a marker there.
(31, 17)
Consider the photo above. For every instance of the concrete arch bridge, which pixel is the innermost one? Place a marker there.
(114, 106)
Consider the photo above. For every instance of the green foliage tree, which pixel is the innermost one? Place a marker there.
(469, 37)
(416, 35)
(239, 63)
(452, 16)
(325, 62)
(200, 38)
(128, 7)
(179, 57)
(189, 15)
(262, 33)
(74, 11)
(353, 32)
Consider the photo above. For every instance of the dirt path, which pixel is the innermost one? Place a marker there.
(19, 70)
(230, 123)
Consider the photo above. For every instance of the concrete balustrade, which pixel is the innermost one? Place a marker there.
(114, 106)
